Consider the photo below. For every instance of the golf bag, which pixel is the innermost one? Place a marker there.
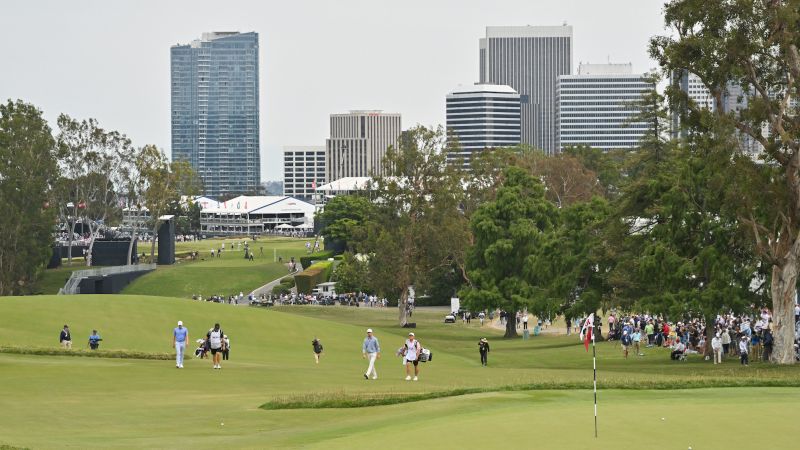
(425, 355)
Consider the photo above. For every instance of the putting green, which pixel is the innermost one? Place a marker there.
(62, 401)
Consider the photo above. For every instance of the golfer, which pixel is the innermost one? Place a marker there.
(215, 336)
(372, 349)
(412, 350)
(180, 336)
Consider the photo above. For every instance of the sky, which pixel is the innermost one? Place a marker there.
(109, 60)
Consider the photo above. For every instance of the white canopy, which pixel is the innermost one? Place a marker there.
(284, 226)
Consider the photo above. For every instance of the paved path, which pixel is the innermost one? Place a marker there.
(267, 288)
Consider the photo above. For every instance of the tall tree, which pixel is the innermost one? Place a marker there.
(27, 173)
(417, 226)
(752, 45)
(506, 232)
(342, 221)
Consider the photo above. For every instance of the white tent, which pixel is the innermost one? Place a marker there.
(284, 226)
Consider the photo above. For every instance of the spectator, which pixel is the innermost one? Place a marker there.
(678, 350)
(65, 338)
(94, 340)
(716, 347)
(743, 351)
(725, 338)
(650, 331)
(636, 337)
(626, 342)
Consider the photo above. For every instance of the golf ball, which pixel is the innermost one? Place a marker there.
(663, 418)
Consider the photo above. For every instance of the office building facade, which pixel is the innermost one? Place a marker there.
(530, 60)
(598, 107)
(215, 110)
(303, 171)
(358, 143)
(480, 117)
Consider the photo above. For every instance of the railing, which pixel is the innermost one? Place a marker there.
(72, 285)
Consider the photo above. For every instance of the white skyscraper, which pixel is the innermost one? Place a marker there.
(303, 171)
(598, 107)
(358, 143)
(479, 117)
(529, 59)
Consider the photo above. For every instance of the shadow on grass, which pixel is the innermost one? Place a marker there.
(344, 399)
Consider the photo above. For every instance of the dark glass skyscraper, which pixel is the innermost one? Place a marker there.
(529, 59)
(215, 110)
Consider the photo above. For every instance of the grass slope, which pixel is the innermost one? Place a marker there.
(226, 275)
(59, 401)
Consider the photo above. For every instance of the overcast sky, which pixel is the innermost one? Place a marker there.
(110, 59)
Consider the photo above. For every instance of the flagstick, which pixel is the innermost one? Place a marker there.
(594, 365)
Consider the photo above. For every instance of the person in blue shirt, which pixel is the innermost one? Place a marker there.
(371, 349)
(94, 340)
(180, 336)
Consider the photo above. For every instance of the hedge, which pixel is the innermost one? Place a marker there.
(308, 260)
(308, 279)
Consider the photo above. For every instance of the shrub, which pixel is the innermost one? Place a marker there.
(57, 351)
(308, 279)
(308, 260)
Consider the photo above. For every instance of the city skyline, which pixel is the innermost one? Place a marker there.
(111, 61)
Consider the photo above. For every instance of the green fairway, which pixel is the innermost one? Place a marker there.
(226, 275)
(61, 401)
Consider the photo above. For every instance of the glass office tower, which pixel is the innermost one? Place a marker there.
(215, 114)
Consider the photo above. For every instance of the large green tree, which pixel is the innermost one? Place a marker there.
(750, 45)
(27, 173)
(417, 226)
(342, 221)
(507, 233)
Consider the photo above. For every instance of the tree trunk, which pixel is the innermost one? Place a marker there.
(69, 246)
(91, 245)
(784, 287)
(710, 333)
(511, 326)
(153, 242)
(130, 246)
(402, 305)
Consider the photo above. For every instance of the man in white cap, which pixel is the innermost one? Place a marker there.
(372, 349)
(180, 336)
(411, 357)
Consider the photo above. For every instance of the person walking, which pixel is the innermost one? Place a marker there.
(716, 347)
(744, 351)
(180, 337)
(483, 349)
(317, 346)
(94, 340)
(481, 317)
(65, 338)
(371, 349)
(214, 337)
(725, 338)
(412, 350)
(226, 347)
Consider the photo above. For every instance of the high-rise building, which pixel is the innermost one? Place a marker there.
(480, 117)
(303, 171)
(358, 143)
(598, 107)
(215, 115)
(529, 59)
